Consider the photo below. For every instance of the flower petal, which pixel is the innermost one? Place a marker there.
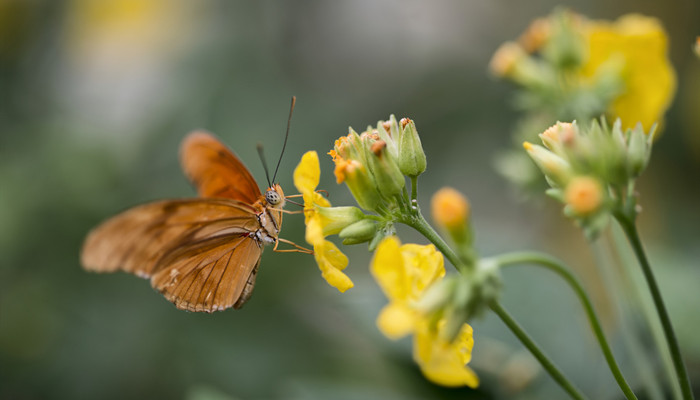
(442, 362)
(314, 230)
(388, 269)
(331, 261)
(424, 265)
(642, 45)
(308, 173)
(396, 320)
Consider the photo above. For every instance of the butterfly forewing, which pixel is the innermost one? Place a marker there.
(215, 170)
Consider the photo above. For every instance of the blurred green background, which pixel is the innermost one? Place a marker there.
(95, 97)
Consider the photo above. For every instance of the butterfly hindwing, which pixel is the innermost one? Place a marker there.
(209, 275)
(198, 252)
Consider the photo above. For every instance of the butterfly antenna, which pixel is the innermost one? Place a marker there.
(286, 136)
(262, 158)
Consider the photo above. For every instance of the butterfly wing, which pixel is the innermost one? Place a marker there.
(200, 253)
(215, 170)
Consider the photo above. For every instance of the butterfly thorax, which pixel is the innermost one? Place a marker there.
(269, 215)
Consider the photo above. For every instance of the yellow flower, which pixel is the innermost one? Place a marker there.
(404, 273)
(330, 259)
(641, 45)
(442, 362)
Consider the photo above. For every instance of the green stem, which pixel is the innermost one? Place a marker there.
(616, 286)
(547, 364)
(417, 222)
(414, 190)
(630, 229)
(556, 266)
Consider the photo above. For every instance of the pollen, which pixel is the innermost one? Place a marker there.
(387, 127)
(527, 146)
(378, 147)
(341, 167)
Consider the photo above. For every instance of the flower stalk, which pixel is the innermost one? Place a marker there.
(626, 221)
(554, 265)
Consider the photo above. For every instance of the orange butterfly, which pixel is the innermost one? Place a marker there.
(202, 254)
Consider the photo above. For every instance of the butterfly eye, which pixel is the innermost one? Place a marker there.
(273, 197)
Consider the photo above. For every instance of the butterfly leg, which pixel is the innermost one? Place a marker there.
(297, 249)
(287, 211)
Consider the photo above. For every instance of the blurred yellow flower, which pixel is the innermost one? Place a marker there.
(330, 259)
(640, 44)
(442, 362)
(404, 272)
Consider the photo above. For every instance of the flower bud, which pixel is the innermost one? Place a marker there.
(450, 208)
(536, 35)
(389, 132)
(559, 136)
(437, 296)
(335, 219)
(360, 231)
(565, 47)
(505, 59)
(411, 160)
(584, 195)
(389, 179)
(361, 184)
(553, 166)
(638, 150)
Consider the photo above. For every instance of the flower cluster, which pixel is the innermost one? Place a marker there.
(373, 163)
(568, 67)
(593, 169)
(423, 302)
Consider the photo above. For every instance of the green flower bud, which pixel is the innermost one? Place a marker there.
(360, 231)
(437, 296)
(389, 132)
(387, 175)
(362, 186)
(472, 296)
(335, 219)
(386, 230)
(555, 168)
(412, 160)
(565, 47)
(638, 150)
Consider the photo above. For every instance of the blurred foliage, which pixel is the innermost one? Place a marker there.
(96, 95)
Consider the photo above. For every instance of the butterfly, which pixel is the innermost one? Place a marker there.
(201, 253)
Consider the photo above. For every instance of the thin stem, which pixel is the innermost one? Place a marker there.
(414, 190)
(552, 264)
(547, 364)
(645, 304)
(630, 229)
(418, 222)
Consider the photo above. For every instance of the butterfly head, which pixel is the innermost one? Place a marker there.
(274, 196)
